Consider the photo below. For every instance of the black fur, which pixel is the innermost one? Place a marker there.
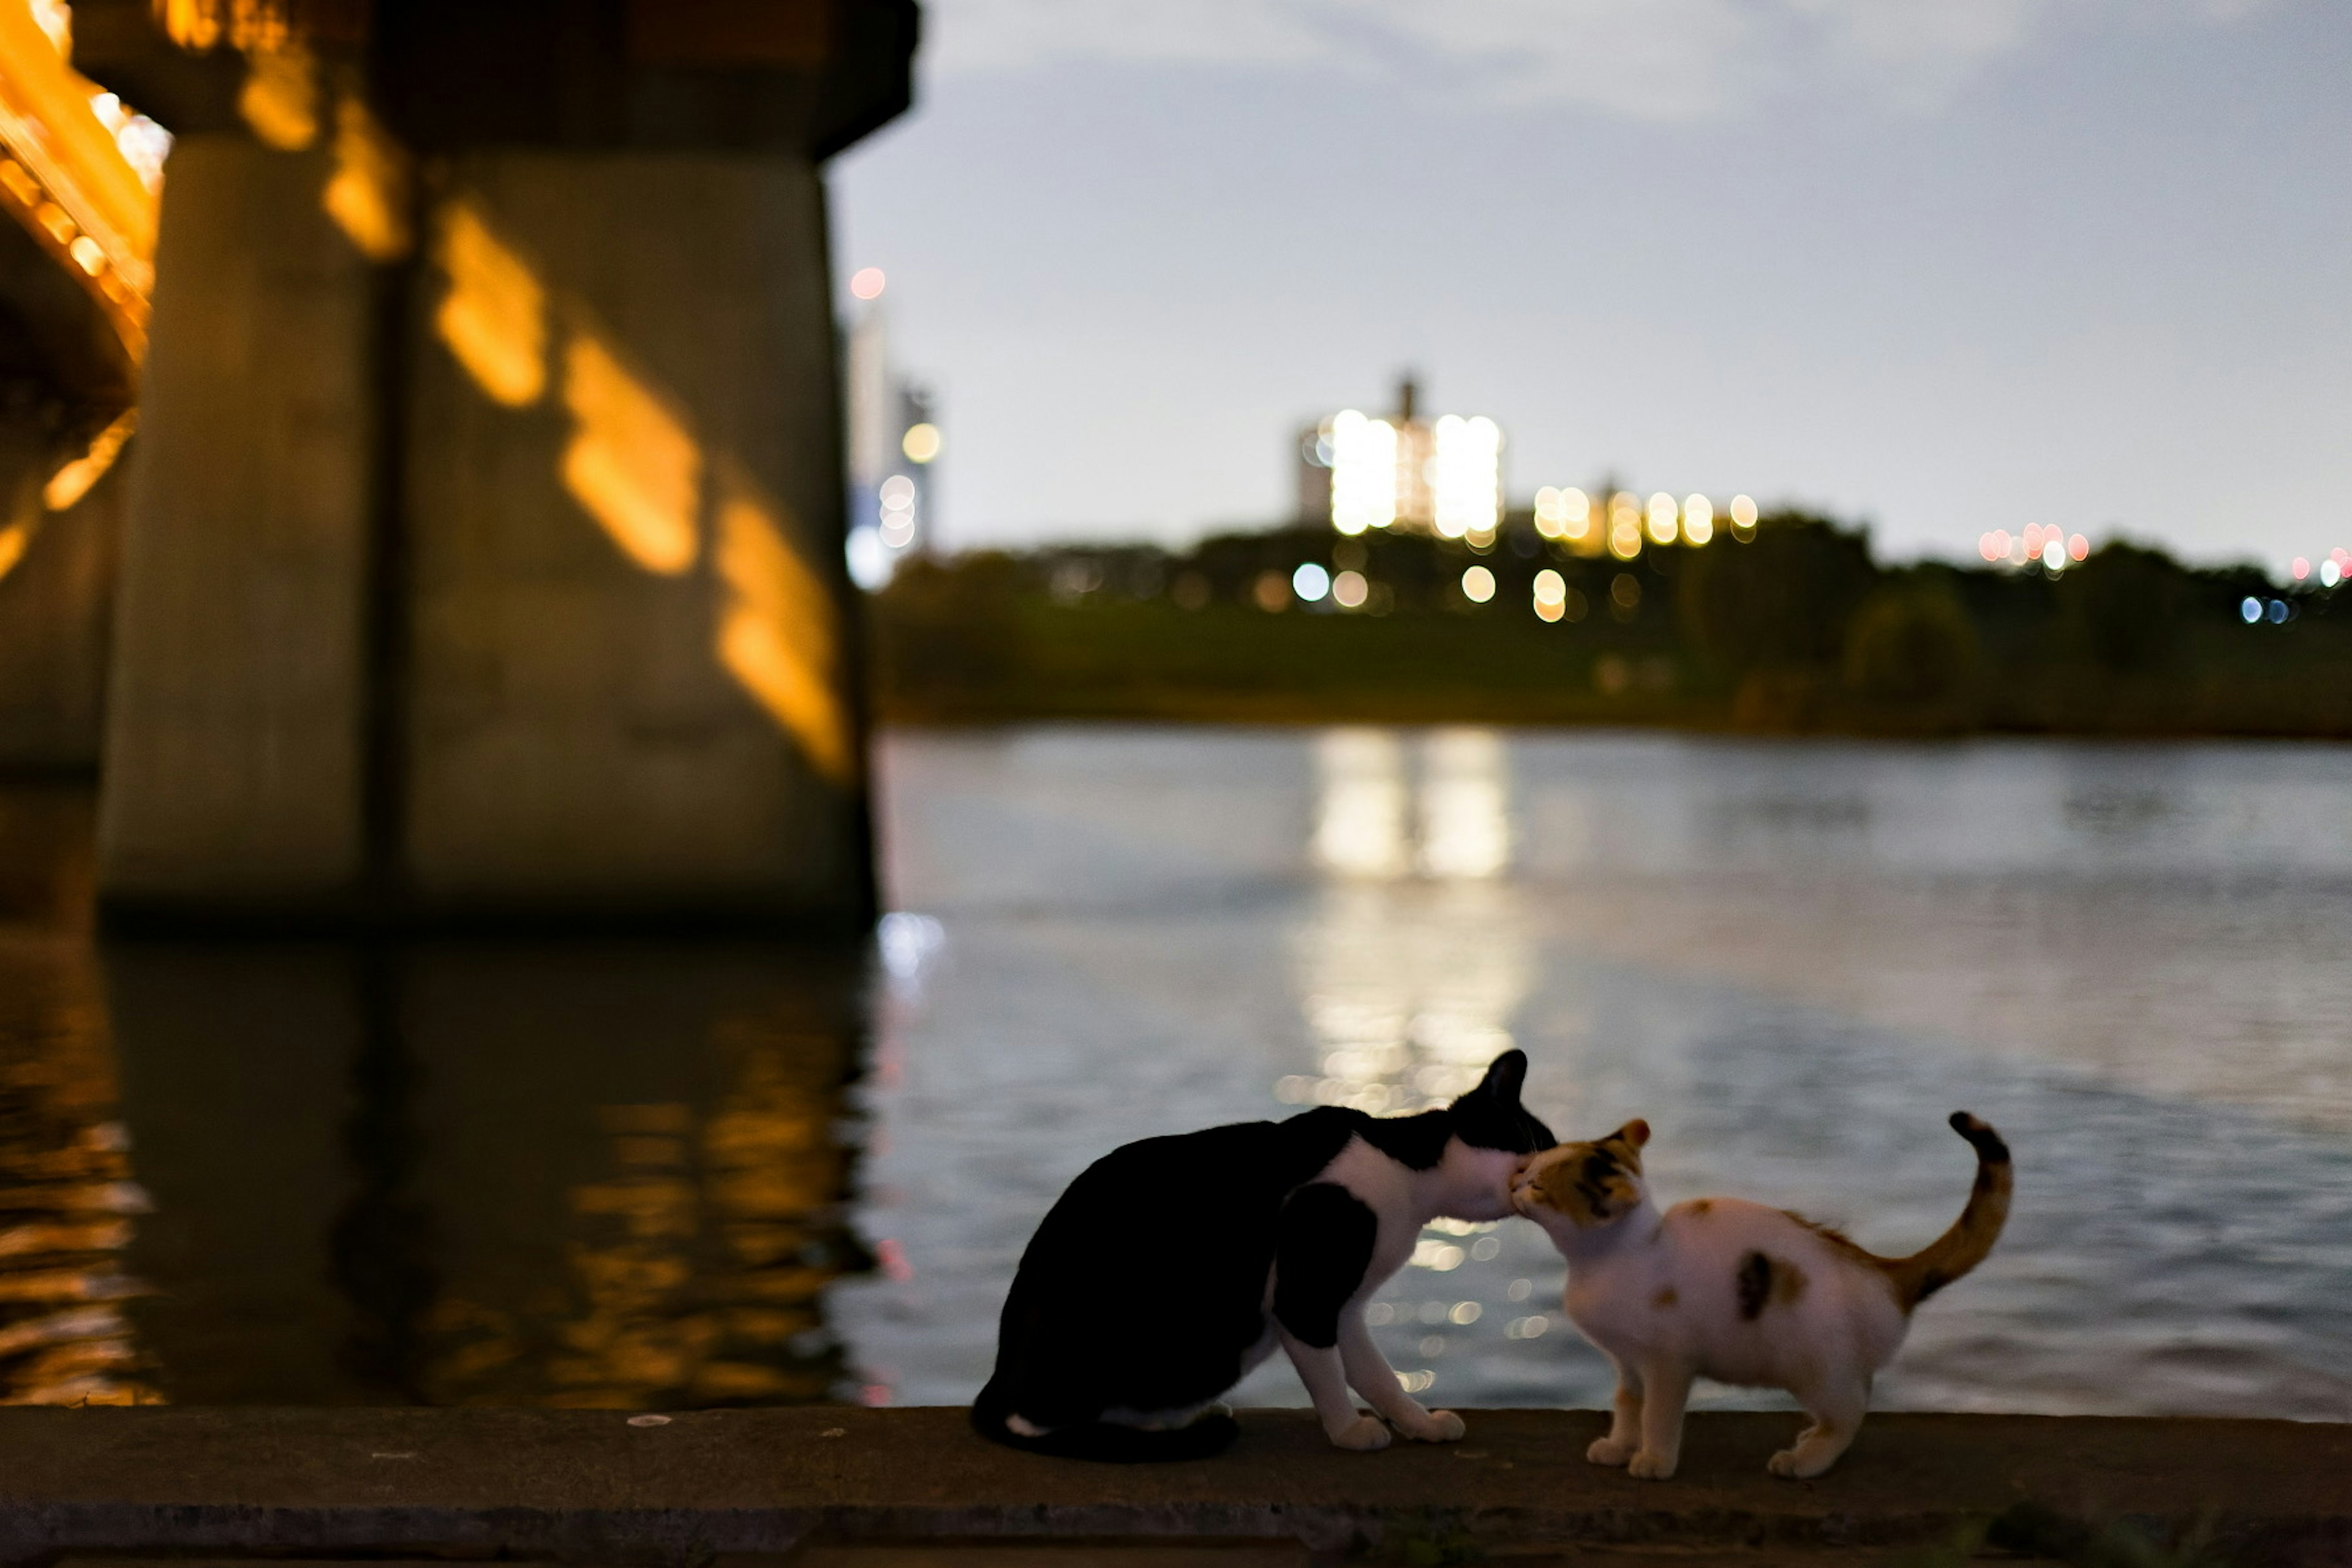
(1323, 1245)
(1987, 1142)
(1145, 1286)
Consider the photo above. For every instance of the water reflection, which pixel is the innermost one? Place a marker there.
(1793, 958)
(602, 1174)
(1410, 967)
(590, 1173)
(1408, 984)
(68, 1203)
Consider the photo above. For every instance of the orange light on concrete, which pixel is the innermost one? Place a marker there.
(494, 318)
(281, 97)
(631, 464)
(777, 635)
(368, 195)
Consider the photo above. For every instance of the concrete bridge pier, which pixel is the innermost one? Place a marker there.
(484, 540)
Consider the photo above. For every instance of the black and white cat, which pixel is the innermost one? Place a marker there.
(1173, 1266)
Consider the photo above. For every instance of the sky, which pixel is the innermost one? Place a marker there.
(1940, 266)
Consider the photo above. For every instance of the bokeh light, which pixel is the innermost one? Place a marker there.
(1349, 590)
(1364, 472)
(866, 283)
(1550, 594)
(1664, 517)
(1625, 526)
(1310, 583)
(1477, 584)
(921, 443)
(1698, 519)
(1465, 476)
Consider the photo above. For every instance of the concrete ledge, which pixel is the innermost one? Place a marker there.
(590, 1487)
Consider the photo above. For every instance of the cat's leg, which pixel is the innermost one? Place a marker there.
(1625, 1423)
(1369, 1371)
(1323, 1244)
(1319, 1368)
(1837, 1405)
(1665, 1387)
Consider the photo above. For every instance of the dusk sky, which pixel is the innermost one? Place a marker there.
(1941, 264)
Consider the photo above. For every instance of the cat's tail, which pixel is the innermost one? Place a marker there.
(1964, 1246)
(1107, 1442)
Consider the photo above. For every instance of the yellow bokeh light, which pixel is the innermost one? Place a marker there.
(1663, 516)
(1743, 518)
(1477, 584)
(1698, 519)
(921, 443)
(1551, 515)
(631, 463)
(1625, 526)
(494, 318)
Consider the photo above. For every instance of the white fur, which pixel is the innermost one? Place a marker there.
(1824, 1347)
(1466, 1183)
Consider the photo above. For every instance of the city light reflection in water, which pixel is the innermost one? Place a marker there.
(603, 1173)
(1794, 959)
(674, 1173)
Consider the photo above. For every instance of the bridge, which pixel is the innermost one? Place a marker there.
(422, 491)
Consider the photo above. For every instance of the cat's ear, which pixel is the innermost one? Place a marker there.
(1635, 1133)
(1504, 1076)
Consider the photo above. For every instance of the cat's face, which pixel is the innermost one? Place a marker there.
(1583, 1186)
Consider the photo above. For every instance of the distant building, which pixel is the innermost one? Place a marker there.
(1443, 477)
(894, 444)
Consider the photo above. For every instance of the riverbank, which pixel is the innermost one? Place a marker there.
(606, 1488)
(1799, 631)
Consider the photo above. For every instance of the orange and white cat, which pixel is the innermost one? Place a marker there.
(1737, 1292)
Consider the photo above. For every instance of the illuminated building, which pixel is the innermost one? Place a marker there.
(1443, 477)
(894, 440)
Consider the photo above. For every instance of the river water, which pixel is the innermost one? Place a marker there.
(664, 1173)
(1794, 959)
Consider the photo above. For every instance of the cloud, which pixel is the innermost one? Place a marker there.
(1648, 59)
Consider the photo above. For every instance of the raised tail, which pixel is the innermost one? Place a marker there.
(1964, 1246)
(1107, 1442)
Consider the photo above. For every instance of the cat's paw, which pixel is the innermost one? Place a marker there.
(1609, 1451)
(1797, 1466)
(1649, 1465)
(1364, 1434)
(1434, 1426)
